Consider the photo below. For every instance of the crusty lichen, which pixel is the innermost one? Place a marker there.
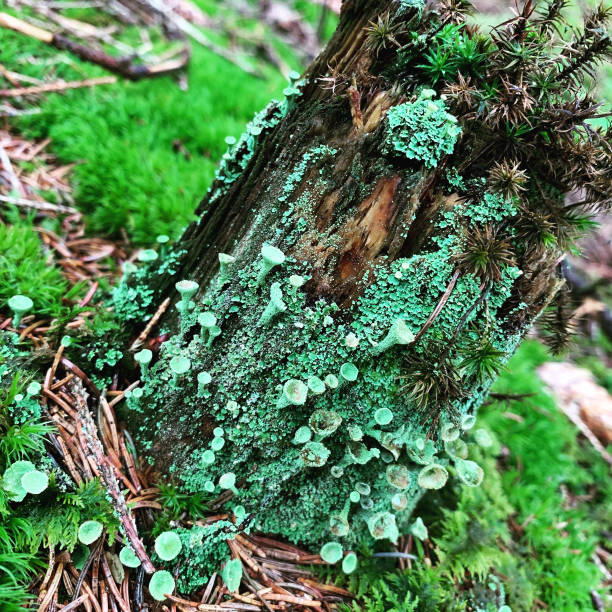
(296, 484)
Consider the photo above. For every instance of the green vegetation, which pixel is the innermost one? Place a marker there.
(135, 176)
(147, 151)
(26, 269)
(47, 516)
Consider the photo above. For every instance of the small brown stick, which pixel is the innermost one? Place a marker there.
(209, 587)
(104, 597)
(150, 325)
(292, 599)
(73, 605)
(69, 462)
(112, 585)
(46, 206)
(436, 311)
(255, 592)
(246, 542)
(129, 462)
(110, 419)
(94, 555)
(50, 565)
(53, 88)
(52, 587)
(74, 368)
(123, 66)
(121, 395)
(89, 295)
(56, 360)
(330, 588)
(92, 600)
(62, 382)
(60, 402)
(30, 328)
(109, 478)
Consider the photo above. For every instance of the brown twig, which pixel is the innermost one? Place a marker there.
(56, 87)
(123, 66)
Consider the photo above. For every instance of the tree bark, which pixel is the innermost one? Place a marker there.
(376, 236)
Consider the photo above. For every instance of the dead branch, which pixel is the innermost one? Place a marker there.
(123, 66)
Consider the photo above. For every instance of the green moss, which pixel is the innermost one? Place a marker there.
(25, 269)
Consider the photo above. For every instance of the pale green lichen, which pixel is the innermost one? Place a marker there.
(316, 427)
(422, 130)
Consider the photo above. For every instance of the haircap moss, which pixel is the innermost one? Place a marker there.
(270, 257)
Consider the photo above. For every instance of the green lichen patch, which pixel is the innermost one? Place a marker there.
(422, 130)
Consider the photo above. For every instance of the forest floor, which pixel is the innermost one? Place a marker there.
(91, 176)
